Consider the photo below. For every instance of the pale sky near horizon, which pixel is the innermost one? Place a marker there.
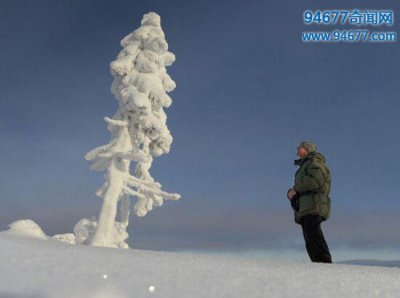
(248, 91)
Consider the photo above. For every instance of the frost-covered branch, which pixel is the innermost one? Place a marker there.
(116, 122)
(154, 190)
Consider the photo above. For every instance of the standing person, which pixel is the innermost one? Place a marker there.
(310, 199)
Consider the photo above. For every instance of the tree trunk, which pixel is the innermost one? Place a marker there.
(105, 224)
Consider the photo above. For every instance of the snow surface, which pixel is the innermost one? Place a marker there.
(32, 267)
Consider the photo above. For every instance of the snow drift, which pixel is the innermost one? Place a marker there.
(51, 269)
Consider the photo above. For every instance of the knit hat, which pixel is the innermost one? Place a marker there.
(309, 146)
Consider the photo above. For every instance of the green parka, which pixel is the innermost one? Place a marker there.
(312, 184)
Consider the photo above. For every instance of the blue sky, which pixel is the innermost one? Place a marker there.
(248, 91)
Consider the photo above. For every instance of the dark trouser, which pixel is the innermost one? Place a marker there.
(315, 242)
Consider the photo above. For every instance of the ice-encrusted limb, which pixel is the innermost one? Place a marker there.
(98, 150)
(138, 155)
(152, 188)
(132, 192)
(116, 122)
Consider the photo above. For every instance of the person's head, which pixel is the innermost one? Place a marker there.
(305, 147)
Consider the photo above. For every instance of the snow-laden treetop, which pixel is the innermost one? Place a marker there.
(141, 83)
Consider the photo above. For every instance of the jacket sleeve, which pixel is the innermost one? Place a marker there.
(313, 180)
(294, 202)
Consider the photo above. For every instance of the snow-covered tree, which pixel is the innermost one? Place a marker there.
(138, 133)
